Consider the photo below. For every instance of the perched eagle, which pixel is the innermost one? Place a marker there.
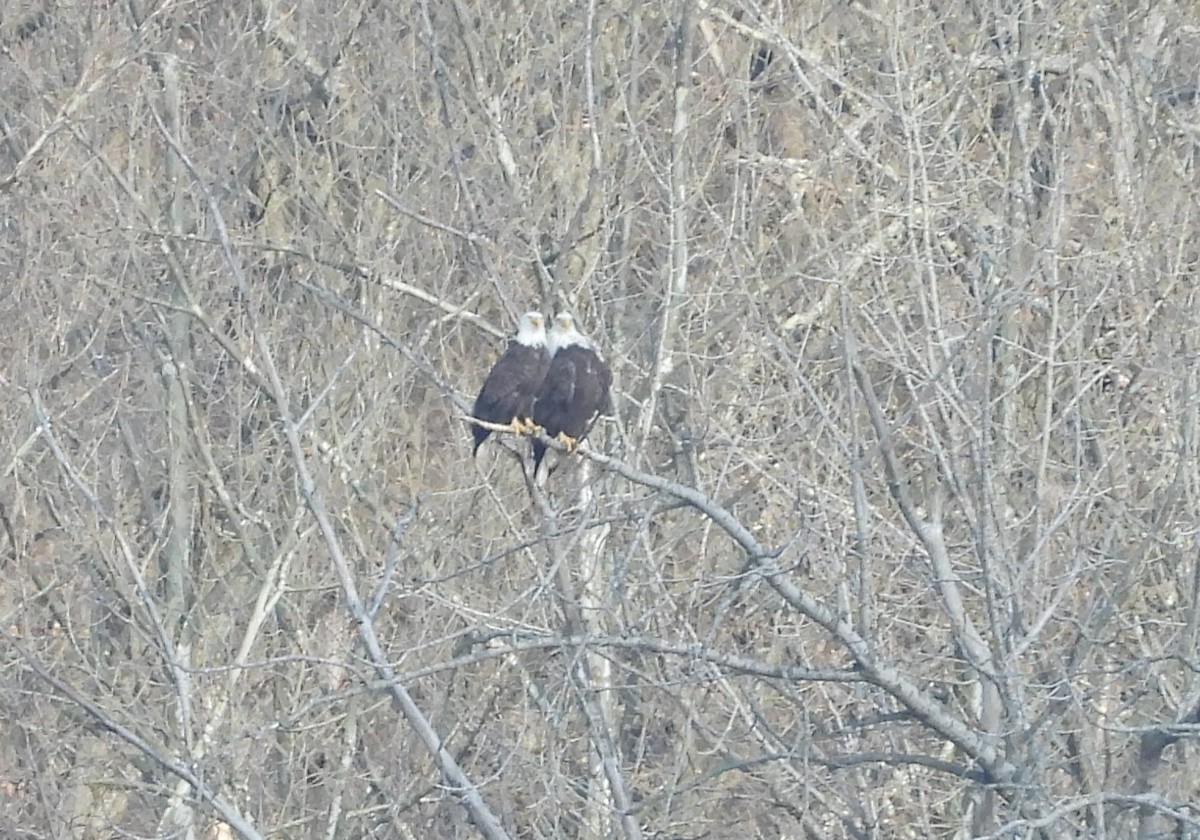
(508, 392)
(574, 391)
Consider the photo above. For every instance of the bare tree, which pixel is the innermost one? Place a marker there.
(891, 528)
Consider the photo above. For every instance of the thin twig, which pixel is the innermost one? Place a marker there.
(393, 554)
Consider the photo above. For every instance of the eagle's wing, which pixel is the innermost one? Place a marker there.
(554, 401)
(604, 380)
(510, 382)
(560, 390)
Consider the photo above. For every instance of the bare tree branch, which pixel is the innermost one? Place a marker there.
(481, 814)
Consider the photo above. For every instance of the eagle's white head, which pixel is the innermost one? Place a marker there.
(564, 333)
(531, 330)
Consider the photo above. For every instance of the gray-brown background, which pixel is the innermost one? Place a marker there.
(913, 309)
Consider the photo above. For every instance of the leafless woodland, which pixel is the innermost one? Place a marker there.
(892, 531)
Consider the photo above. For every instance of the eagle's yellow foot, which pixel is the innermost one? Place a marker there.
(518, 426)
(571, 443)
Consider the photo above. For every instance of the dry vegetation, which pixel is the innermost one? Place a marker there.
(894, 529)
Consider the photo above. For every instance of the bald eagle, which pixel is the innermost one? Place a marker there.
(508, 392)
(574, 391)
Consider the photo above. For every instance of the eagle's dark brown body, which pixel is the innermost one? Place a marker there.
(575, 390)
(508, 392)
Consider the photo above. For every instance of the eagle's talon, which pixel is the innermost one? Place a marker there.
(572, 444)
